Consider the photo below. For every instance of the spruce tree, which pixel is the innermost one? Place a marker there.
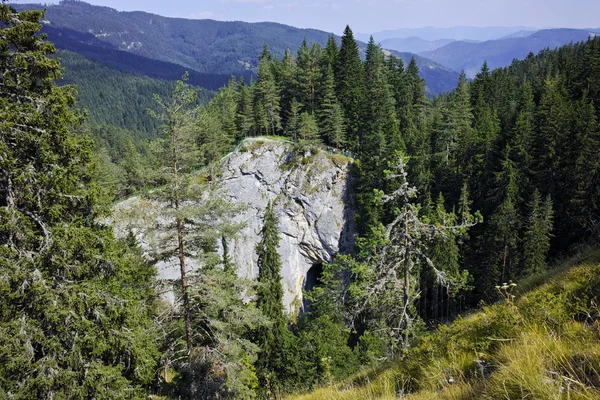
(349, 75)
(553, 123)
(275, 340)
(308, 74)
(331, 116)
(287, 80)
(266, 99)
(389, 288)
(382, 131)
(331, 52)
(502, 233)
(308, 128)
(244, 113)
(292, 127)
(536, 242)
(76, 305)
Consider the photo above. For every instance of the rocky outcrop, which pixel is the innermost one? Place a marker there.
(312, 199)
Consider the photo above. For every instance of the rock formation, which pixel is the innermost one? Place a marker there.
(311, 198)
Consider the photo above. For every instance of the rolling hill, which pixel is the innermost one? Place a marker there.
(205, 46)
(455, 32)
(414, 44)
(469, 57)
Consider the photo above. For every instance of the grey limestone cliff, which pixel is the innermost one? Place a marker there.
(312, 199)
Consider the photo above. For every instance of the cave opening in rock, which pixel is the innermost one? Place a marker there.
(313, 279)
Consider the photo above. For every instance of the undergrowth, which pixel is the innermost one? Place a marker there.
(543, 343)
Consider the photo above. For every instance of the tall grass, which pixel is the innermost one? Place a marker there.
(544, 345)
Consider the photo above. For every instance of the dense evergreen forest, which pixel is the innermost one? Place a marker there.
(456, 196)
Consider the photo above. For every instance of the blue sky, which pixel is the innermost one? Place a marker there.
(370, 16)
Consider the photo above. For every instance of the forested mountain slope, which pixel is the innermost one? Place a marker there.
(87, 45)
(205, 46)
(112, 97)
(468, 56)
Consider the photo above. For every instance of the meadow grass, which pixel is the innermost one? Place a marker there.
(543, 345)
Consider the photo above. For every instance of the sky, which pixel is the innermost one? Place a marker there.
(370, 16)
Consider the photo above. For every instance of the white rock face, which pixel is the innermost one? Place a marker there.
(312, 200)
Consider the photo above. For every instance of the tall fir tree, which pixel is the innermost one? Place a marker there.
(331, 116)
(245, 112)
(76, 305)
(536, 241)
(350, 90)
(266, 98)
(275, 340)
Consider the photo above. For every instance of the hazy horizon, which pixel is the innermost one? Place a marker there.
(372, 16)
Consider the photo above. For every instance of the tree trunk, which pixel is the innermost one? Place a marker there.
(406, 283)
(184, 283)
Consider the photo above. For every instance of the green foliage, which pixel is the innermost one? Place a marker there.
(349, 77)
(116, 98)
(537, 235)
(77, 304)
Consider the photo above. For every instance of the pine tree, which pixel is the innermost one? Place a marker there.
(178, 114)
(76, 305)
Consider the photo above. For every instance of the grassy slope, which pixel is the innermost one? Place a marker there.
(545, 344)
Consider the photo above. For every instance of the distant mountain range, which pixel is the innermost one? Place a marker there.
(461, 55)
(162, 47)
(455, 32)
(414, 44)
